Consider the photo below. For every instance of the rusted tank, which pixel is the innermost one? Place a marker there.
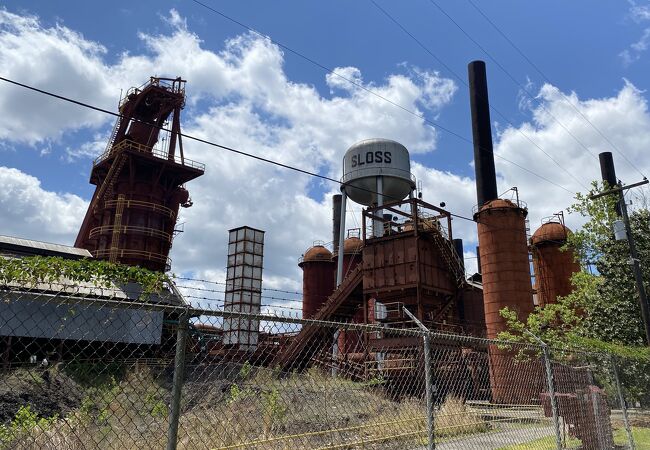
(506, 283)
(504, 262)
(352, 254)
(318, 279)
(472, 310)
(553, 266)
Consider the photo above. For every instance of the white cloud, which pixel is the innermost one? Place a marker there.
(32, 212)
(639, 14)
(88, 149)
(622, 118)
(56, 59)
(340, 76)
(636, 49)
(251, 105)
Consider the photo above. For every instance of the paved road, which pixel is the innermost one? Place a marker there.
(498, 439)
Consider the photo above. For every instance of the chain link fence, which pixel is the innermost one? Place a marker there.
(86, 367)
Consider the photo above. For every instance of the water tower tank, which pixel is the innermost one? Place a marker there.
(372, 158)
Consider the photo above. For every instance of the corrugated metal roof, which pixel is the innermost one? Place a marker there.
(18, 246)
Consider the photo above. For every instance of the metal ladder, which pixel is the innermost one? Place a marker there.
(449, 255)
(106, 188)
(111, 140)
(117, 227)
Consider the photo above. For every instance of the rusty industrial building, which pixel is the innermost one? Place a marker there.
(403, 258)
(140, 179)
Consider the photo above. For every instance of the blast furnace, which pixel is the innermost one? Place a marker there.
(140, 179)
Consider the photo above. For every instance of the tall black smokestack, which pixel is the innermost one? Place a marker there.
(608, 173)
(486, 180)
(336, 221)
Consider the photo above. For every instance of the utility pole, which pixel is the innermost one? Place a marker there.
(616, 187)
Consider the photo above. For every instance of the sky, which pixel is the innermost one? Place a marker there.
(567, 81)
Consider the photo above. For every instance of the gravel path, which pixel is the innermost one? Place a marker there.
(498, 439)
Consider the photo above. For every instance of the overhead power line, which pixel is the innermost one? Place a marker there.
(462, 80)
(222, 283)
(514, 80)
(543, 75)
(372, 92)
(531, 95)
(204, 141)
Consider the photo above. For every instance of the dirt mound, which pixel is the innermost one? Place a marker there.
(48, 393)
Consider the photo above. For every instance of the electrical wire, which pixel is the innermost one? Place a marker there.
(462, 80)
(370, 91)
(568, 100)
(224, 284)
(221, 303)
(210, 143)
(522, 87)
(195, 288)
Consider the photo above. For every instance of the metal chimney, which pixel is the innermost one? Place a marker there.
(486, 182)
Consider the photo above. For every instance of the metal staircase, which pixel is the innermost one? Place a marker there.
(340, 305)
(111, 140)
(449, 255)
(106, 189)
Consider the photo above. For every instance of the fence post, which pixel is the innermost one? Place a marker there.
(621, 399)
(429, 388)
(428, 379)
(177, 383)
(551, 393)
(551, 387)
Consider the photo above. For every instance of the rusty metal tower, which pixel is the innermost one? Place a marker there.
(140, 179)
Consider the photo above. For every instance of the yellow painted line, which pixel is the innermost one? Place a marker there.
(359, 427)
(316, 433)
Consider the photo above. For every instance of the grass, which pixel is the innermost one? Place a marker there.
(547, 443)
(250, 408)
(641, 440)
(640, 435)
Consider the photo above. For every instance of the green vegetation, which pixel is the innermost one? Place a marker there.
(546, 443)
(640, 435)
(33, 270)
(96, 373)
(23, 424)
(602, 315)
(641, 438)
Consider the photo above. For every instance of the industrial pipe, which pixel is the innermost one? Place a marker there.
(339, 258)
(336, 222)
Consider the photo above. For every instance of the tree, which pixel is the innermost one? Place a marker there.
(602, 315)
(603, 311)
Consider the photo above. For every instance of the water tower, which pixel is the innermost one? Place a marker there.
(375, 171)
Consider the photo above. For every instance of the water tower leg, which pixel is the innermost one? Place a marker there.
(378, 225)
(339, 278)
(339, 258)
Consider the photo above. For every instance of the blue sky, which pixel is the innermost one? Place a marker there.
(249, 94)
